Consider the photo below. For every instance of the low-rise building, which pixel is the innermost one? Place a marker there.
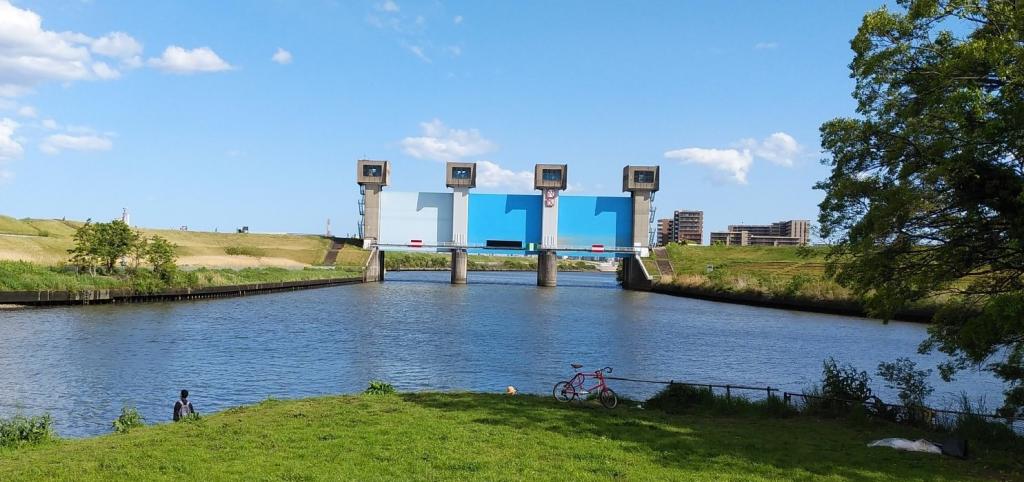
(795, 232)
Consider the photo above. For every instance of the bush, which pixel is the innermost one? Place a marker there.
(378, 387)
(678, 398)
(912, 384)
(844, 382)
(245, 251)
(970, 425)
(130, 418)
(19, 430)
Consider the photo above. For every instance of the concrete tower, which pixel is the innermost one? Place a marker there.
(461, 177)
(550, 179)
(372, 176)
(641, 182)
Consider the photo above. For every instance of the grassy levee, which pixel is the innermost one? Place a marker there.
(783, 276)
(46, 241)
(462, 436)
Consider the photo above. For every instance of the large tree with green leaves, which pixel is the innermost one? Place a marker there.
(926, 196)
(102, 244)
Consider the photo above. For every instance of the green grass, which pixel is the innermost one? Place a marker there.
(23, 276)
(50, 240)
(780, 272)
(487, 437)
(9, 225)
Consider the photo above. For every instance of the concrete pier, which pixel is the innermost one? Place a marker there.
(460, 264)
(547, 268)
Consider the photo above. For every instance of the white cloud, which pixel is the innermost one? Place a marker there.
(104, 71)
(388, 6)
(457, 20)
(734, 162)
(455, 50)
(492, 176)
(10, 148)
(766, 45)
(118, 45)
(30, 55)
(282, 56)
(179, 60)
(779, 148)
(50, 124)
(27, 111)
(441, 143)
(418, 52)
(56, 143)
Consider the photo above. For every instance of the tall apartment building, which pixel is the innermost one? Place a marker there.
(664, 231)
(684, 226)
(794, 232)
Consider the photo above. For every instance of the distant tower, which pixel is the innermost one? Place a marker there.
(125, 217)
(328, 227)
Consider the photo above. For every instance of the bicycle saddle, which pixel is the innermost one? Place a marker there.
(576, 365)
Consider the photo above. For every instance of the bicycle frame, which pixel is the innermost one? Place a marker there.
(580, 377)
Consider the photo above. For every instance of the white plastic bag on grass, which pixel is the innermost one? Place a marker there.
(919, 445)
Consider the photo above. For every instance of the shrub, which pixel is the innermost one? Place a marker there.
(912, 384)
(678, 398)
(844, 382)
(130, 418)
(378, 387)
(971, 425)
(19, 430)
(245, 251)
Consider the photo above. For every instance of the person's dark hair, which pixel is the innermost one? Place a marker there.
(184, 394)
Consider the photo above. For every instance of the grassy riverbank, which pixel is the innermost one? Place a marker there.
(24, 276)
(774, 271)
(490, 437)
(395, 260)
(46, 242)
(785, 276)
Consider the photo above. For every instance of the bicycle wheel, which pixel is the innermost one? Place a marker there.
(563, 392)
(608, 398)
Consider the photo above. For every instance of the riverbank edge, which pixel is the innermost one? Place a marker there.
(831, 307)
(123, 296)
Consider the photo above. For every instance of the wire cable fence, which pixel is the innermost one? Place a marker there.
(933, 417)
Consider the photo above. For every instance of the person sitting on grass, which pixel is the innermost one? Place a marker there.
(183, 408)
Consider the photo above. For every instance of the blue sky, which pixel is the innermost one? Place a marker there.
(230, 113)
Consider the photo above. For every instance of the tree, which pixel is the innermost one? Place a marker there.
(82, 255)
(102, 244)
(160, 255)
(926, 196)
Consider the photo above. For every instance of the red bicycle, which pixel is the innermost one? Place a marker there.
(573, 389)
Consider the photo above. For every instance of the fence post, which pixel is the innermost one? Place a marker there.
(728, 394)
(785, 397)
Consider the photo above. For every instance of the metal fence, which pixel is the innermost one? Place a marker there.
(937, 418)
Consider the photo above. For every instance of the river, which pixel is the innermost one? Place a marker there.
(83, 363)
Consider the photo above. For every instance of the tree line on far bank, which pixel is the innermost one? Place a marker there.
(101, 248)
